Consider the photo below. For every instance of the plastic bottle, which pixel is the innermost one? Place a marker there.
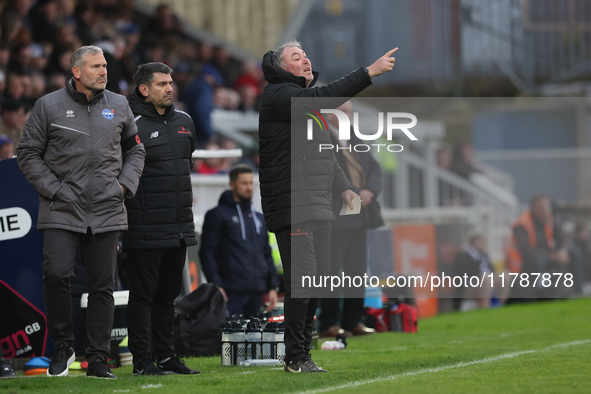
(227, 343)
(261, 363)
(269, 344)
(339, 344)
(238, 340)
(253, 339)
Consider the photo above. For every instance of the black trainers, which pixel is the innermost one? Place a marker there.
(100, 369)
(305, 365)
(145, 366)
(63, 357)
(5, 370)
(173, 364)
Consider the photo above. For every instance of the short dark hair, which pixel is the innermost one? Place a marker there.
(239, 169)
(145, 72)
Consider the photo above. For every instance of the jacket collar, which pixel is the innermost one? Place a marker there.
(139, 106)
(79, 96)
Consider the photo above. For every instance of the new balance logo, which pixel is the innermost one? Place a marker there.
(154, 135)
(69, 113)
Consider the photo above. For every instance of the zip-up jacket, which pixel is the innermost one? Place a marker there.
(77, 154)
(235, 252)
(297, 180)
(161, 213)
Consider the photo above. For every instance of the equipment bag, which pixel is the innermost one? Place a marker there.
(197, 323)
(400, 317)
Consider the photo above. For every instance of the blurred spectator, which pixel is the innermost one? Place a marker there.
(44, 17)
(16, 23)
(444, 157)
(163, 25)
(252, 75)
(199, 99)
(2, 85)
(4, 56)
(463, 160)
(248, 98)
(220, 60)
(117, 77)
(85, 21)
(19, 60)
(14, 87)
(538, 248)
(38, 57)
(229, 161)
(6, 148)
(473, 260)
(13, 120)
(582, 246)
(227, 99)
(210, 165)
(59, 61)
(55, 82)
(205, 53)
(38, 85)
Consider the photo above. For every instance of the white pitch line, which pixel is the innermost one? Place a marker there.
(446, 367)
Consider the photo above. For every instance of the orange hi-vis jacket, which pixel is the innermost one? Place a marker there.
(514, 258)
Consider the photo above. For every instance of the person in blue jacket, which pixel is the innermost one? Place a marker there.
(235, 253)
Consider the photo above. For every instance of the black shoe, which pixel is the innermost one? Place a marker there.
(63, 357)
(175, 365)
(100, 369)
(305, 365)
(5, 370)
(145, 366)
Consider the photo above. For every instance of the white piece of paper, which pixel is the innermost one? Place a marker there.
(356, 207)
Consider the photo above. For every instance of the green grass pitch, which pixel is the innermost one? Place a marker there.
(532, 348)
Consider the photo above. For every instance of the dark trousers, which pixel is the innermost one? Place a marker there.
(155, 280)
(244, 303)
(99, 256)
(305, 250)
(348, 254)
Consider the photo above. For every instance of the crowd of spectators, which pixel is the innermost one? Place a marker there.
(37, 39)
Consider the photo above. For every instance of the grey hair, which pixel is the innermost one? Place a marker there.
(78, 57)
(278, 53)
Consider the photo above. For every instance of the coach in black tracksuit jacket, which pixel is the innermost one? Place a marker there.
(160, 218)
(297, 182)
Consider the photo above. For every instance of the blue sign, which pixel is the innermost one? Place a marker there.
(21, 244)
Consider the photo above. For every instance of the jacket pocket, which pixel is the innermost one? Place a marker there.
(63, 197)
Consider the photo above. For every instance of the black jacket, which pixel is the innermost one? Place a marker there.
(287, 159)
(235, 252)
(161, 213)
(373, 182)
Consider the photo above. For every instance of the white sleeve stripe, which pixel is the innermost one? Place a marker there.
(137, 118)
(182, 112)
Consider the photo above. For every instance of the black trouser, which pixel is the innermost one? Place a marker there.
(305, 250)
(348, 254)
(155, 280)
(99, 256)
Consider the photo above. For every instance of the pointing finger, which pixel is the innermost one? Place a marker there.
(389, 53)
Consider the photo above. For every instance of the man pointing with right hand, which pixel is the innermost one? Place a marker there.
(301, 218)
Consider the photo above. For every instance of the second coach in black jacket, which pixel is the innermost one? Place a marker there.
(160, 222)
